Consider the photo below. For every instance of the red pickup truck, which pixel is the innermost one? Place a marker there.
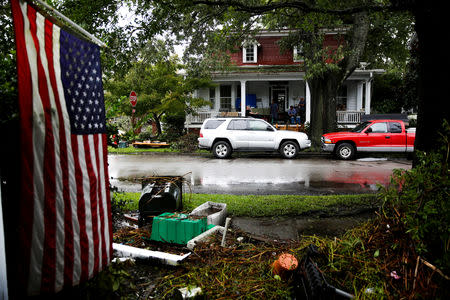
(371, 136)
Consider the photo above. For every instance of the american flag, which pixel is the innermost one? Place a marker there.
(66, 232)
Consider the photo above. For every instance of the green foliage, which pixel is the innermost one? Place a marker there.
(271, 205)
(111, 283)
(161, 90)
(146, 135)
(121, 202)
(418, 198)
(394, 91)
(187, 143)
(112, 134)
(387, 94)
(174, 127)
(133, 150)
(9, 109)
(353, 263)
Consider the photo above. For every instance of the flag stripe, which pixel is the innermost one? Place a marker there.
(102, 202)
(81, 207)
(107, 199)
(49, 251)
(45, 36)
(96, 158)
(25, 107)
(37, 159)
(72, 264)
(90, 159)
(66, 265)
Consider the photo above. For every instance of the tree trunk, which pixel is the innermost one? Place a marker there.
(323, 106)
(433, 85)
(317, 113)
(324, 87)
(157, 120)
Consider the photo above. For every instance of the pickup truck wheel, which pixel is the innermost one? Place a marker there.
(222, 149)
(345, 151)
(289, 149)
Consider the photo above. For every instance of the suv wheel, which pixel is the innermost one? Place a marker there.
(289, 149)
(345, 151)
(222, 149)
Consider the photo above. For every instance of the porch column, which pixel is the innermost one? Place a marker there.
(368, 96)
(243, 98)
(308, 103)
(217, 104)
(233, 96)
(359, 95)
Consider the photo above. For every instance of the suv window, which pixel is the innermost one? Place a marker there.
(213, 124)
(237, 125)
(395, 127)
(257, 125)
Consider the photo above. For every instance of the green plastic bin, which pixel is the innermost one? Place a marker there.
(177, 228)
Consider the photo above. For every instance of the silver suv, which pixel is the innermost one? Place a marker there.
(224, 135)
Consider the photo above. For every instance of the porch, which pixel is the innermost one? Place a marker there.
(344, 118)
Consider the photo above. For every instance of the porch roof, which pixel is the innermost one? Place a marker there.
(292, 72)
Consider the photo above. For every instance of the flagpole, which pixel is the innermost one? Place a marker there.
(78, 27)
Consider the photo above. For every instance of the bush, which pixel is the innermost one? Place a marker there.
(419, 199)
(146, 135)
(112, 133)
(186, 143)
(174, 127)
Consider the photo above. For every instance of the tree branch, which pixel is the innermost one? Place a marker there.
(300, 5)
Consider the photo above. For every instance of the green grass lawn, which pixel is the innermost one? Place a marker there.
(133, 150)
(268, 205)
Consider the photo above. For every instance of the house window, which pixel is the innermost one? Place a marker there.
(212, 96)
(298, 53)
(225, 98)
(341, 99)
(250, 53)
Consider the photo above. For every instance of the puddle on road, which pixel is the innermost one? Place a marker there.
(249, 188)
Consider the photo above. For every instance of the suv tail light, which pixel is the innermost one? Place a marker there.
(201, 134)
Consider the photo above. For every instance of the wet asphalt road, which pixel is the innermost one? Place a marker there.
(257, 174)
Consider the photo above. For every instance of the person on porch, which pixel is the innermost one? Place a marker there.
(274, 112)
(301, 110)
(292, 113)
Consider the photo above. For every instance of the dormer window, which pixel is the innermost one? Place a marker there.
(250, 53)
(298, 54)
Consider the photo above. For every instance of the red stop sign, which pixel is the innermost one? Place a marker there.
(133, 98)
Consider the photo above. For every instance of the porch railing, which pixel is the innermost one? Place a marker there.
(343, 117)
(199, 117)
(349, 117)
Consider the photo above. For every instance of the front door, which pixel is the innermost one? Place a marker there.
(279, 94)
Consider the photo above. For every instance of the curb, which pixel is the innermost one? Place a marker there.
(238, 154)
